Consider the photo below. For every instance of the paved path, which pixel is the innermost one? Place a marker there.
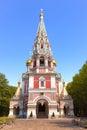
(42, 124)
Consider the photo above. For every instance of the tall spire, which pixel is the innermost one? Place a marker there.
(41, 44)
(41, 27)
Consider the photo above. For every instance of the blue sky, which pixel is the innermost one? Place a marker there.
(66, 25)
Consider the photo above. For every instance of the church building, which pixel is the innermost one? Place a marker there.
(39, 96)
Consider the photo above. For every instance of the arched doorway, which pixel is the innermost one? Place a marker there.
(42, 109)
(16, 111)
(66, 110)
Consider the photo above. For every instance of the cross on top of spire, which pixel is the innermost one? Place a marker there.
(41, 10)
(41, 14)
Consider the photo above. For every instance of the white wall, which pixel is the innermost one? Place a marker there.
(53, 83)
(31, 81)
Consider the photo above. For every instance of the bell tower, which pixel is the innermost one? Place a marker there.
(42, 59)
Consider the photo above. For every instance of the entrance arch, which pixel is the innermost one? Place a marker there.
(42, 109)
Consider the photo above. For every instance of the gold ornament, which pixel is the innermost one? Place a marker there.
(28, 62)
(54, 63)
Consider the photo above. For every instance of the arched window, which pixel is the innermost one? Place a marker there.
(42, 83)
(42, 63)
(49, 63)
(41, 45)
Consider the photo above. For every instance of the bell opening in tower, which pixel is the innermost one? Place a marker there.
(42, 61)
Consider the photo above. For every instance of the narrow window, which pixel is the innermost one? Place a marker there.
(42, 83)
(49, 63)
(41, 45)
(34, 63)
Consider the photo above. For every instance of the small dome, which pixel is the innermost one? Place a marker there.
(54, 63)
(41, 14)
(28, 62)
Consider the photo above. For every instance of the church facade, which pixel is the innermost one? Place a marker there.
(40, 96)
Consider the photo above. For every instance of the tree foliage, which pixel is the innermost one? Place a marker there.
(3, 80)
(6, 92)
(78, 90)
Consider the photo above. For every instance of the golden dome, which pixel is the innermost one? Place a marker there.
(28, 62)
(54, 63)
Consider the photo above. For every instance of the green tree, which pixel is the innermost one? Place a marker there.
(6, 92)
(78, 90)
(3, 80)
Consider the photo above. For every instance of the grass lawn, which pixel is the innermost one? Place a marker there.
(4, 120)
